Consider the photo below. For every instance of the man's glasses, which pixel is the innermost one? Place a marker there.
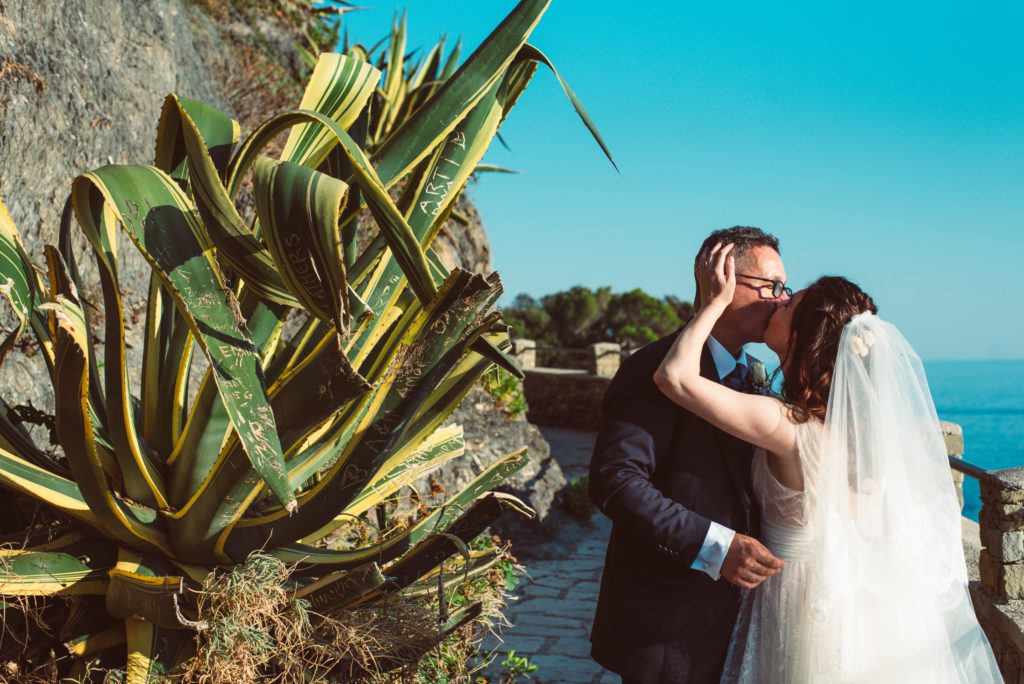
(778, 287)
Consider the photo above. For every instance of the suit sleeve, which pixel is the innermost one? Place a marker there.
(637, 428)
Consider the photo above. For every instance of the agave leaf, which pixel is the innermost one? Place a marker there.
(530, 52)
(314, 561)
(394, 80)
(393, 227)
(453, 62)
(428, 68)
(299, 209)
(130, 525)
(443, 401)
(433, 550)
(60, 493)
(139, 468)
(141, 588)
(169, 343)
(86, 644)
(171, 240)
(19, 283)
(236, 244)
(492, 168)
(218, 132)
(45, 573)
(154, 650)
(338, 590)
(291, 352)
(432, 201)
(479, 561)
(432, 347)
(405, 466)
(316, 389)
(209, 425)
(167, 358)
(301, 399)
(419, 135)
(439, 187)
(97, 393)
(339, 88)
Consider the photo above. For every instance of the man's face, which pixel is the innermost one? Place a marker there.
(753, 304)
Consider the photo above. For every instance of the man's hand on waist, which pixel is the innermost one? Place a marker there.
(749, 562)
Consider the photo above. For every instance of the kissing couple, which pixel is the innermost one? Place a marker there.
(812, 536)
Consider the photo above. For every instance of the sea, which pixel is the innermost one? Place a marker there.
(987, 399)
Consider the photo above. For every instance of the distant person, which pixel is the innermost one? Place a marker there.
(678, 491)
(855, 493)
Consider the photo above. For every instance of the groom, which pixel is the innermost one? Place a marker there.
(679, 495)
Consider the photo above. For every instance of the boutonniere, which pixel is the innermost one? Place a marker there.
(757, 379)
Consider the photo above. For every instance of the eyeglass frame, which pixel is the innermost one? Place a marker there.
(778, 286)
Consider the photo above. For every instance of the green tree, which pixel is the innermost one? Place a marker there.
(580, 316)
(636, 318)
(528, 318)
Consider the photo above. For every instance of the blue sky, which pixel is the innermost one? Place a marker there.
(879, 141)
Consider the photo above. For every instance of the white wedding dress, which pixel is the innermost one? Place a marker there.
(875, 586)
(773, 635)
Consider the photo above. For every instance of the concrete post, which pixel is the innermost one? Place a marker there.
(603, 358)
(525, 352)
(1001, 523)
(953, 434)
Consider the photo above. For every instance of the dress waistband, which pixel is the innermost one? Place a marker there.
(787, 542)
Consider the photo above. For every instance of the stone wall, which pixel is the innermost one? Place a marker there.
(568, 398)
(999, 596)
(564, 398)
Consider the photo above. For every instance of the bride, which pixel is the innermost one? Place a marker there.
(856, 497)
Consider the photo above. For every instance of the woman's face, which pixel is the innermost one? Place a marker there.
(779, 327)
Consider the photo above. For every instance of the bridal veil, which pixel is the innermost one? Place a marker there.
(890, 588)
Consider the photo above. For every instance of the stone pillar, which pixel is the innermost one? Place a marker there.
(953, 434)
(1001, 524)
(603, 358)
(525, 352)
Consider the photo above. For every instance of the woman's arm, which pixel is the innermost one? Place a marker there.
(763, 421)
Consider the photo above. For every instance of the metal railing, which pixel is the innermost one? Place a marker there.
(967, 468)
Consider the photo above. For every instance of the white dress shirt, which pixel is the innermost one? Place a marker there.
(719, 538)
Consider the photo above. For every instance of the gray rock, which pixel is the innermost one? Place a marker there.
(82, 83)
(491, 435)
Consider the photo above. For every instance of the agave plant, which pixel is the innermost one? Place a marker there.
(290, 435)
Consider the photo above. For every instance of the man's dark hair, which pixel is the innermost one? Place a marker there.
(744, 237)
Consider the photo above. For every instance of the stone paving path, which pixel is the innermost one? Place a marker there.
(554, 609)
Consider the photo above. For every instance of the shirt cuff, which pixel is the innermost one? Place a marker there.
(712, 553)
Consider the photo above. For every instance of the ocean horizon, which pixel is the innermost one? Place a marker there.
(986, 398)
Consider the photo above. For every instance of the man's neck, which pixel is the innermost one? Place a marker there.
(728, 338)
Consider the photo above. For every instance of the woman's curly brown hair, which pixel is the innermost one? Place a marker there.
(817, 323)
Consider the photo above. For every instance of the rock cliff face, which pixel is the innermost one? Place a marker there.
(82, 83)
(491, 435)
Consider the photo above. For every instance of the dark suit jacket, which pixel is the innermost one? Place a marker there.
(662, 474)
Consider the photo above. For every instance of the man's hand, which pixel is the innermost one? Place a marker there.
(749, 562)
